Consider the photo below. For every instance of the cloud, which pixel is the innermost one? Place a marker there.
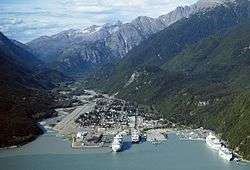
(124, 3)
(25, 20)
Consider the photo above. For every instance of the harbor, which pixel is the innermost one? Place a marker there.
(53, 152)
(95, 127)
(212, 141)
(96, 121)
(141, 140)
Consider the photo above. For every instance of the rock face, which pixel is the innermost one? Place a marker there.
(24, 92)
(82, 49)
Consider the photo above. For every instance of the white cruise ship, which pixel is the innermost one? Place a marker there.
(117, 143)
(135, 136)
(213, 142)
(225, 153)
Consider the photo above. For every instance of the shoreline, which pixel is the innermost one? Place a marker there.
(241, 158)
(168, 131)
(67, 125)
(10, 147)
(25, 142)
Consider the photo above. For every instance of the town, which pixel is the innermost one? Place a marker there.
(94, 119)
(109, 117)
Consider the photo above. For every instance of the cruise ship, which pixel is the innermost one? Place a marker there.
(225, 153)
(213, 142)
(117, 143)
(135, 136)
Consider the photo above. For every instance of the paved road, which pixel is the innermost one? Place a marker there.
(68, 126)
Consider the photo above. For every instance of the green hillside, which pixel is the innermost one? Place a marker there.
(25, 97)
(196, 72)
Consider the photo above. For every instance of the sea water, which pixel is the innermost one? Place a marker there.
(49, 152)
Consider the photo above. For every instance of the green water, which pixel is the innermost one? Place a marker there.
(52, 153)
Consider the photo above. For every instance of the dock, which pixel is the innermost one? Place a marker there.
(156, 135)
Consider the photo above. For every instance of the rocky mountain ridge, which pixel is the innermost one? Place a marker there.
(202, 59)
(80, 50)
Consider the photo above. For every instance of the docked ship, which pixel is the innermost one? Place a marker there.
(225, 153)
(117, 143)
(135, 136)
(213, 142)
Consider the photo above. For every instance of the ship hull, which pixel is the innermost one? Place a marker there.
(213, 143)
(213, 146)
(116, 148)
(136, 142)
(117, 143)
(225, 156)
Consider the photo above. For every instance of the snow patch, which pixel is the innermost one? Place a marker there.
(91, 29)
(203, 103)
(133, 78)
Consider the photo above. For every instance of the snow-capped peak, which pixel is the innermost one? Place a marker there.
(91, 29)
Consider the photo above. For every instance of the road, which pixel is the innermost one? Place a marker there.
(68, 126)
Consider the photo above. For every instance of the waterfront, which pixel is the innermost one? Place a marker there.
(49, 152)
(94, 114)
(94, 118)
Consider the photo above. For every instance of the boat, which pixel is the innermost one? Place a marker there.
(225, 153)
(213, 142)
(135, 136)
(117, 143)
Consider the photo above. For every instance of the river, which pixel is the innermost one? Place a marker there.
(51, 152)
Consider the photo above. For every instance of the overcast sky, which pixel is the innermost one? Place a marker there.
(25, 20)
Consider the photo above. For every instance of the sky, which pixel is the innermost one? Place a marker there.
(25, 20)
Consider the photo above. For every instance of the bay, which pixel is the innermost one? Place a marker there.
(49, 152)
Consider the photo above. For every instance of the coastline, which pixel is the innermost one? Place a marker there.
(22, 143)
(167, 130)
(67, 126)
(241, 158)
(32, 138)
(9, 147)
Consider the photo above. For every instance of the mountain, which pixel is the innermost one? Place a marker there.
(24, 92)
(195, 72)
(166, 44)
(81, 50)
(77, 50)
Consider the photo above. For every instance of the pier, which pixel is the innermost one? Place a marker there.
(157, 135)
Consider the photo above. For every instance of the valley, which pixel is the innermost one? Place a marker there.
(184, 74)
